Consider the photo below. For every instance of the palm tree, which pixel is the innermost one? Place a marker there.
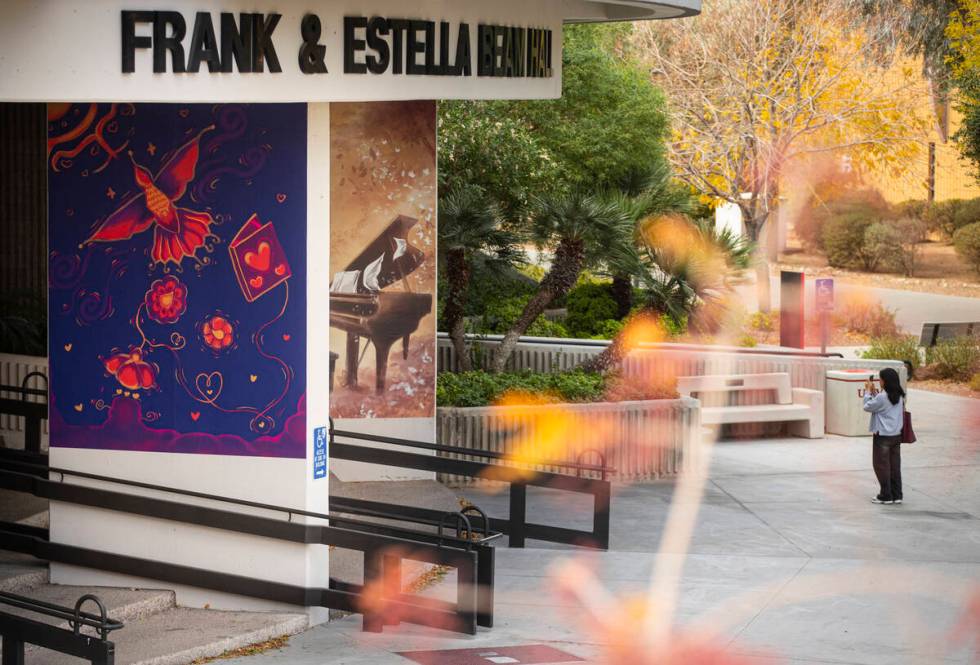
(583, 228)
(470, 225)
(685, 269)
(643, 194)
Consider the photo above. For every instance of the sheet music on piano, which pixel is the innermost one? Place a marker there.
(361, 305)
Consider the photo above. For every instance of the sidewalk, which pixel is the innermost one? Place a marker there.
(913, 308)
(788, 562)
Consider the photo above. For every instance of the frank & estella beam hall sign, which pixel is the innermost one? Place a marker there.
(377, 45)
(290, 50)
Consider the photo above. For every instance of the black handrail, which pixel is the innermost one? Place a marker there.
(24, 390)
(469, 559)
(18, 630)
(42, 471)
(458, 450)
(517, 526)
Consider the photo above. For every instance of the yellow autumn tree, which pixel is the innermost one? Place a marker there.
(753, 85)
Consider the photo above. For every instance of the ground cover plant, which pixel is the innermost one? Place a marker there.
(955, 359)
(479, 388)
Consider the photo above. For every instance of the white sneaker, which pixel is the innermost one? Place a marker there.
(897, 501)
(877, 500)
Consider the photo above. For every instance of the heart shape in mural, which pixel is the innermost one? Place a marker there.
(256, 282)
(261, 260)
(280, 197)
(195, 415)
(209, 385)
(280, 269)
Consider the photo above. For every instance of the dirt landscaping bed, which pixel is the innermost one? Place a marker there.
(940, 270)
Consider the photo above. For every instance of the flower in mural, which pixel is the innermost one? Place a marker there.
(166, 300)
(218, 333)
(131, 370)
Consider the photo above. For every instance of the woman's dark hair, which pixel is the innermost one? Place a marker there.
(891, 384)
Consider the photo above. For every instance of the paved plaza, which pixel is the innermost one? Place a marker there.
(789, 563)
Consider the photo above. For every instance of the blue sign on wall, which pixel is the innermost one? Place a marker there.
(319, 453)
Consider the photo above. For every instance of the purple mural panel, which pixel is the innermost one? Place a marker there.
(177, 277)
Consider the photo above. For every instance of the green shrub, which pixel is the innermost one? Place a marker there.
(948, 217)
(544, 327)
(674, 326)
(966, 213)
(621, 388)
(955, 359)
(609, 328)
(763, 321)
(590, 305)
(482, 389)
(862, 206)
(867, 318)
(975, 382)
(894, 245)
(967, 243)
(913, 208)
(940, 216)
(844, 241)
(896, 347)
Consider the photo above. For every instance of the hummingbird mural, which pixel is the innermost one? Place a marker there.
(177, 232)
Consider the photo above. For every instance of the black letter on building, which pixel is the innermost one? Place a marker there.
(262, 47)
(236, 43)
(204, 45)
(162, 43)
(130, 42)
(352, 45)
(463, 65)
(378, 26)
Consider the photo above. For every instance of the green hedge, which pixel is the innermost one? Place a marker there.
(482, 389)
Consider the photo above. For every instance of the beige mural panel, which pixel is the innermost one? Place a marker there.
(382, 259)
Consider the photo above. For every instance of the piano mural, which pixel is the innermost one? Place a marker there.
(382, 242)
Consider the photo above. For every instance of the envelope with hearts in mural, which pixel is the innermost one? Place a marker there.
(258, 259)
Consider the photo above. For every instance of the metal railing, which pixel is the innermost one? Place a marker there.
(383, 547)
(32, 412)
(499, 467)
(17, 631)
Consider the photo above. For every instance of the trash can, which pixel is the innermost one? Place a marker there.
(845, 392)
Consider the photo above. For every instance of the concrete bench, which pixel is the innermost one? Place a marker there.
(801, 407)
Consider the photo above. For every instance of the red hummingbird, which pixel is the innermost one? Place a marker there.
(177, 232)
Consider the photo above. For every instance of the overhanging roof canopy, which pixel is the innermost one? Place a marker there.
(585, 11)
(181, 51)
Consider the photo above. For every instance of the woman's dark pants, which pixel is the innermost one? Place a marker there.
(887, 460)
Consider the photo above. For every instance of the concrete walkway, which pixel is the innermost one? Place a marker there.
(789, 563)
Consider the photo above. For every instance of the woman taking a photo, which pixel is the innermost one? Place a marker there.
(887, 410)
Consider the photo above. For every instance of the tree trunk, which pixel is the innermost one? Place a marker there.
(622, 293)
(763, 288)
(458, 278)
(621, 345)
(560, 278)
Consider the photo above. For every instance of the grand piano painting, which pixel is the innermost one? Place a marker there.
(361, 307)
(382, 259)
